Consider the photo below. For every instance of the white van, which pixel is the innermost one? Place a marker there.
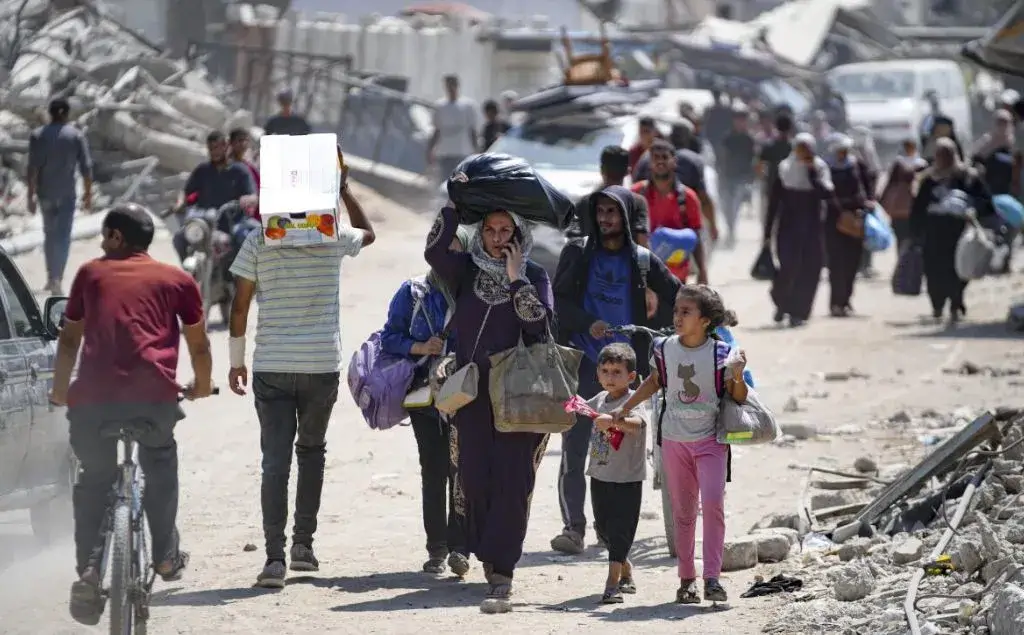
(889, 97)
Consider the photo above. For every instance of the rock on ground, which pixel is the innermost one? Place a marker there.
(772, 547)
(856, 547)
(740, 553)
(792, 535)
(907, 551)
(1007, 614)
(851, 582)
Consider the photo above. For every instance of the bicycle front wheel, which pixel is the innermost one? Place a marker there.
(121, 583)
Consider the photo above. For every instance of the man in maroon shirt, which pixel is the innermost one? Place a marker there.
(239, 141)
(126, 307)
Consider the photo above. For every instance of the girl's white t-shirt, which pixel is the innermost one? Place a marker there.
(691, 401)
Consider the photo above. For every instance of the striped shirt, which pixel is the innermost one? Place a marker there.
(298, 329)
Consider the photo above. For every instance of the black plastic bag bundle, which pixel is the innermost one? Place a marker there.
(764, 266)
(484, 183)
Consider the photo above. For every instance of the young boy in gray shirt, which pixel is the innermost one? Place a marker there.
(617, 473)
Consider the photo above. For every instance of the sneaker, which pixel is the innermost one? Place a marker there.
(86, 603)
(779, 317)
(796, 322)
(714, 592)
(173, 570)
(303, 559)
(434, 565)
(458, 563)
(272, 576)
(612, 596)
(499, 596)
(687, 593)
(569, 542)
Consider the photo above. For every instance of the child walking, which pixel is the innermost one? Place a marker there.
(618, 467)
(695, 369)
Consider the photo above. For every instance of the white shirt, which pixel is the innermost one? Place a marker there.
(455, 121)
(298, 328)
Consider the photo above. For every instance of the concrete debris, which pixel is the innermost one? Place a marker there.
(800, 431)
(772, 547)
(792, 535)
(741, 553)
(145, 115)
(859, 585)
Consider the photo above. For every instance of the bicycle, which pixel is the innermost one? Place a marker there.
(654, 455)
(131, 574)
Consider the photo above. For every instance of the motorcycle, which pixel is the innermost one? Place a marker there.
(208, 255)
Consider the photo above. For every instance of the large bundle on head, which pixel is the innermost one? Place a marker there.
(484, 183)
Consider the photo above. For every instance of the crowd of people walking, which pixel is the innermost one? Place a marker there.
(483, 295)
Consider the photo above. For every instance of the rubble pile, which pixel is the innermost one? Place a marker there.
(146, 116)
(939, 545)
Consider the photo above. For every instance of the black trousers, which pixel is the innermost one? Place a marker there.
(293, 408)
(96, 451)
(440, 522)
(616, 515)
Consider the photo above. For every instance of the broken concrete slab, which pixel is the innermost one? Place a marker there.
(851, 582)
(856, 548)
(1007, 614)
(740, 554)
(792, 535)
(966, 557)
(772, 547)
(907, 551)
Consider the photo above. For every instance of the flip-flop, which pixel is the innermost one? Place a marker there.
(86, 604)
(179, 564)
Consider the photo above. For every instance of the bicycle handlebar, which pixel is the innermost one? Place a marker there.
(632, 329)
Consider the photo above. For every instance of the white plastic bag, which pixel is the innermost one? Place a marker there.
(974, 252)
(749, 423)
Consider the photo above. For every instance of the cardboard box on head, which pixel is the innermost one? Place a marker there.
(299, 189)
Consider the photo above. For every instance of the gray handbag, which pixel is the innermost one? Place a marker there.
(749, 423)
(460, 387)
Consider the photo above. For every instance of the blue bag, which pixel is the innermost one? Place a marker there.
(878, 235)
(673, 246)
(1009, 209)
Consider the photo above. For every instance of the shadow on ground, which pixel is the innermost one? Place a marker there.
(993, 330)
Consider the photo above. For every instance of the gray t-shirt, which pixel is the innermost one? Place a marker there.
(55, 150)
(628, 464)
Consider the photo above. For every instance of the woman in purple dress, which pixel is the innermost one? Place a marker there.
(852, 182)
(802, 184)
(500, 297)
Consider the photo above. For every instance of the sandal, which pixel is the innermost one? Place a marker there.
(434, 565)
(626, 585)
(86, 605)
(177, 567)
(612, 596)
(687, 593)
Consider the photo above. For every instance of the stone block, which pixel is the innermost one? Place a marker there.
(740, 554)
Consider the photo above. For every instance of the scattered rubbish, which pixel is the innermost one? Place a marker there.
(778, 584)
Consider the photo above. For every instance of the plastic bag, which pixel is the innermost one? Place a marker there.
(749, 423)
(764, 266)
(909, 272)
(878, 235)
(529, 386)
(673, 246)
(1009, 209)
(484, 183)
(974, 252)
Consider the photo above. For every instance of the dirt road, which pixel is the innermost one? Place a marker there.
(370, 540)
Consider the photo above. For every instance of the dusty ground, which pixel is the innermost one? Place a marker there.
(370, 541)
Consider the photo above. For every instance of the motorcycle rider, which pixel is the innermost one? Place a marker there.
(212, 184)
(240, 141)
(127, 307)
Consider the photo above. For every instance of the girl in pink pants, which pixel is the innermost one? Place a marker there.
(694, 369)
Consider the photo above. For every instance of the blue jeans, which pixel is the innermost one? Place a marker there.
(58, 218)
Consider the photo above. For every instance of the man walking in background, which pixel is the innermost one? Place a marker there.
(494, 124)
(296, 370)
(455, 130)
(737, 164)
(287, 121)
(54, 152)
(239, 141)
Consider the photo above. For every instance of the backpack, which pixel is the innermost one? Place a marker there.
(680, 199)
(379, 382)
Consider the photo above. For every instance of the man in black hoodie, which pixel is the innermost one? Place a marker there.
(602, 280)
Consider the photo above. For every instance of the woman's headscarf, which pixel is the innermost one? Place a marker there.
(495, 267)
(794, 174)
(946, 163)
(840, 143)
(1000, 136)
(864, 147)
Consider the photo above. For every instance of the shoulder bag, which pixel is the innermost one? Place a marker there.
(458, 388)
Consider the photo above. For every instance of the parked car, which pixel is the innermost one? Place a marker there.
(37, 467)
(890, 98)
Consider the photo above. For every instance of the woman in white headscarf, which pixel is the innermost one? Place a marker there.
(802, 185)
(864, 150)
(843, 250)
(501, 298)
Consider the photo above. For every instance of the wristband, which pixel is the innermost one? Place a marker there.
(236, 351)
